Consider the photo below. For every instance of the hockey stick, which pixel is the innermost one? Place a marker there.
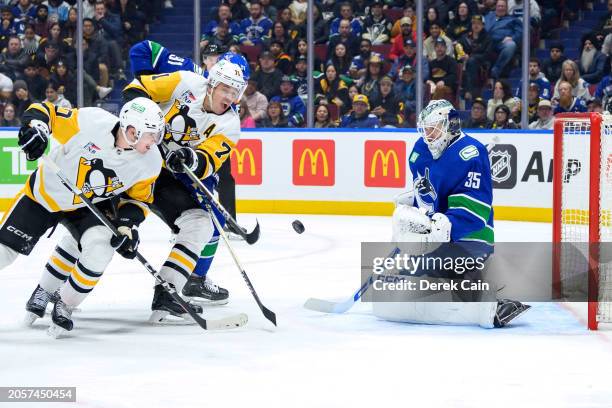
(229, 322)
(249, 237)
(270, 315)
(327, 306)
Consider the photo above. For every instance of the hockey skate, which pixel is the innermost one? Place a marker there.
(61, 319)
(37, 305)
(508, 310)
(164, 306)
(203, 290)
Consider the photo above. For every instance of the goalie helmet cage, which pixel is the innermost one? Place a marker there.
(582, 205)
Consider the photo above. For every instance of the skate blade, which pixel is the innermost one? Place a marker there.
(206, 302)
(29, 319)
(56, 331)
(164, 318)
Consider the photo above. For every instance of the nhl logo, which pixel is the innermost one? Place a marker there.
(503, 166)
(500, 166)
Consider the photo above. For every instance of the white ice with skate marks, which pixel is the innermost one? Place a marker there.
(115, 359)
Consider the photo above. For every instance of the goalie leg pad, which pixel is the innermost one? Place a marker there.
(195, 230)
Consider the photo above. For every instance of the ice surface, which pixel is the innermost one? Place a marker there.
(116, 359)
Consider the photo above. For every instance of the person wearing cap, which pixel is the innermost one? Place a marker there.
(254, 28)
(477, 47)
(408, 11)
(443, 73)
(373, 75)
(6, 88)
(345, 36)
(435, 35)
(282, 60)
(360, 116)
(358, 63)
(210, 55)
(346, 13)
(506, 33)
(405, 89)
(478, 116)
(293, 106)
(409, 57)
(545, 118)
(300, 77)
(397, 49)
(502, 118)
(268, 77)
(533, 100)
(386, 105)
(376, 27)
(21, 100)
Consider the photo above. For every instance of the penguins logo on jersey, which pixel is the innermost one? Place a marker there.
(426, 193)
(95, 180)
(181, 127)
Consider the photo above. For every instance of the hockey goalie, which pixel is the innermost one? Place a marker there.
(451, 204)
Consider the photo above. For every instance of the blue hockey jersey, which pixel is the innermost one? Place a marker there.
(293, 109)
(154, 58)
(458, 185)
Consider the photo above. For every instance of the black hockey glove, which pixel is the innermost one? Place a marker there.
(33, 139)
(185, 155)
(126, 244)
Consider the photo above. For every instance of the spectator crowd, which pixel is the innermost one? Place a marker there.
(365, 60)
(38, 54)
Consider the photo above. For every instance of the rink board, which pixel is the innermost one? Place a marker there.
(343, 171)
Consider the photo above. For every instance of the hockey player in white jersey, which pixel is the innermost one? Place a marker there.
(203, 127)
(105, 157)
(451, 203)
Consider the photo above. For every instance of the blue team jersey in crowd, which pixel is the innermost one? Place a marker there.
(458, 185)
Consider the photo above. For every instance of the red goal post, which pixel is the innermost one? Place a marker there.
(582, 205)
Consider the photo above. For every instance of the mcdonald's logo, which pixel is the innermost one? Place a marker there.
(314, 162)
(385, 163)
(246, 162)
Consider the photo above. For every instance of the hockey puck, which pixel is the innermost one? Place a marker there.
(298, 226)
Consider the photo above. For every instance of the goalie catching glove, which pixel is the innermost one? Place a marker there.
(33, 139)
(410, 224)
(126, 243)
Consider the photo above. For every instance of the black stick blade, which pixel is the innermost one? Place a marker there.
(253, 236)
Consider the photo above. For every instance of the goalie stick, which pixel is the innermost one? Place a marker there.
(229, 322)
(328, 306)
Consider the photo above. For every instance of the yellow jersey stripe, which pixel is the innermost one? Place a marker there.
(50, 201)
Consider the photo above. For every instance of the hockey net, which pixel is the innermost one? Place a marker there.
(582, 208)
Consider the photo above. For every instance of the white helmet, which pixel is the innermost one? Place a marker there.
(228, 73)
(438, 124)
(144, 116)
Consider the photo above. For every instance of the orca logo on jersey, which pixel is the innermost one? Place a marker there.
(95, 180)
(180, 128)
(427, 195)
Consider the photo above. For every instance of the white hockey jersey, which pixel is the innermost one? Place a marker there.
(88, 157)
(180, 96)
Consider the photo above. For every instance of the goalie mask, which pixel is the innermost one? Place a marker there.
(438, 125)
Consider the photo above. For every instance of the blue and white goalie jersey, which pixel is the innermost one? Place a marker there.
(458, 185)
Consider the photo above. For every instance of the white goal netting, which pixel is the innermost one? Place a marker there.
(579, 193)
